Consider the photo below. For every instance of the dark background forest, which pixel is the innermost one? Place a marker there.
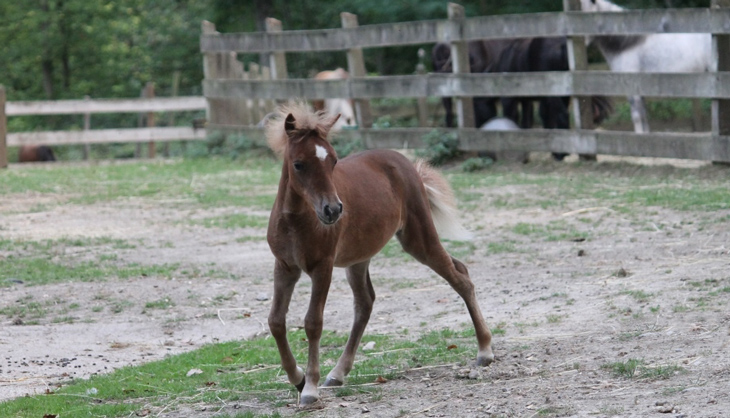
(66, 49)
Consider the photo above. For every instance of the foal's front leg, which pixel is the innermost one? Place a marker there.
(285, 277)
(321, 279)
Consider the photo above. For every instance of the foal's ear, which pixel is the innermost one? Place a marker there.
(332, 121)
(289, 125)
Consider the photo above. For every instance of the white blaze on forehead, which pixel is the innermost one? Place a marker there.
(321, 152)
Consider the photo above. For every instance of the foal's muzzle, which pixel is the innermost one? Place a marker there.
(330, 213)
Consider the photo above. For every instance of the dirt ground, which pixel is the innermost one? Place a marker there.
(652, 286)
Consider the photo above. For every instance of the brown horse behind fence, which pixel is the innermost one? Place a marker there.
(33, 153)
(331, 213)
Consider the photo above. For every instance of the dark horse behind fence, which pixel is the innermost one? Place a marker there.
(33, 153)
(518, 55)
(331, 213)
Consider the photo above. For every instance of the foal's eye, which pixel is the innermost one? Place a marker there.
(298, 165)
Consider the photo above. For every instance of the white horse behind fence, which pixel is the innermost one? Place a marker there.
(652, 53)
(334, 106)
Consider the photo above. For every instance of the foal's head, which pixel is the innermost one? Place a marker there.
(299, 137)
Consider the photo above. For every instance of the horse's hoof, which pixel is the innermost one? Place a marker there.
(300, 386)
(483, 361)
(307, 400)
(332, 382)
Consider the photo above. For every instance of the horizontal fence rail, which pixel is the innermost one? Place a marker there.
(700, 146)
(630, 22)
(105, 136)
(578, 83)
(80, 107)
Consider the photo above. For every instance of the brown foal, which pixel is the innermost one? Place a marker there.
(331, 213)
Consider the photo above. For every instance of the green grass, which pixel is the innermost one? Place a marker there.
(238, 371)
(44, 270)
(233, 221)
(208, 182)
(553, 231)
(637, 368)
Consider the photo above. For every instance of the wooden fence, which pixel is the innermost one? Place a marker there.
(223, 89)
(147, 104)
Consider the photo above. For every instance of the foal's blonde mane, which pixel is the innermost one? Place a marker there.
(306, 119)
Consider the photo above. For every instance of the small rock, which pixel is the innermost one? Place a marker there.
(665, 409)
(365, 410)
(193, 372)
(474, 374)
(369, 346)
(262, 297)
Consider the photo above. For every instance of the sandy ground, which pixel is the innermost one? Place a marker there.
(653, 286)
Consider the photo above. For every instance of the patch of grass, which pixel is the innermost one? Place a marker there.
(502, 247)
(237, 371)
(43, 270)
(625, 369)
(553, 231)
(639, 295)
(637, 368)
(233, 221)
(164, 303)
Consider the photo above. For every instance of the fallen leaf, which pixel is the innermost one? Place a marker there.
(142, 413)
(50, 416)
(210, 383)
(381, 379)
(451, 347)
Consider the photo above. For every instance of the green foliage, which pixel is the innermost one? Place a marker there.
(440, 147)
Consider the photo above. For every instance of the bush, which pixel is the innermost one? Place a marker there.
(440, 147)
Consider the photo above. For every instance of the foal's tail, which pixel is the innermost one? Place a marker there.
(443, 203)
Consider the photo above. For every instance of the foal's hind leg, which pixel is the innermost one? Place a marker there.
(362, 291)
(421, 241)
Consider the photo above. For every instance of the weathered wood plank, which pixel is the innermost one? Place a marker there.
(503, 26)
(697, 146)
(3, 130)
(580, 83)
(71, 107)
(105, 136)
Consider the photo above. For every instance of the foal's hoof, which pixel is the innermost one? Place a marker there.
(332, 382)
(484, 360)
(308, 400)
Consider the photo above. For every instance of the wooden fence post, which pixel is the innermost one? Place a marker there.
(87, 126)
(422, 108)
(460, 64)
(721, 108)
(171, 116)
(578, 61)
(356, 67)
(277, 59)
(149, 92)
(3, 131)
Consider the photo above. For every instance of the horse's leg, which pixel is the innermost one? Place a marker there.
(420, 239)
(285, 277)
(364, 295)
(321, 280)
(447, 101)
(638, 114)
(528, 117)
